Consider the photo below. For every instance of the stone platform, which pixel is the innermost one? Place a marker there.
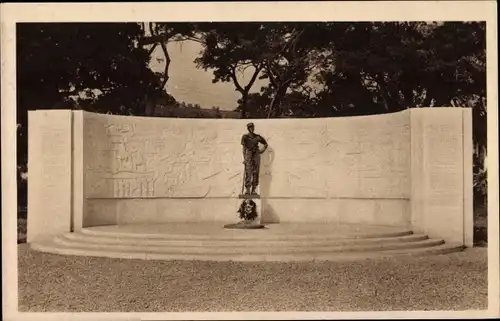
(245, 225)
(212, 242)
(383, 169)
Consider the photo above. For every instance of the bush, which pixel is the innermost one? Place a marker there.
(481, 183)
(22, 230)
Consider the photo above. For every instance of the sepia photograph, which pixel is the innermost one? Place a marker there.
(235, 165)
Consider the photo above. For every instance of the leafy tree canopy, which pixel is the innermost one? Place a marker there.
(312, 69)
(57, 61)
(92, 66)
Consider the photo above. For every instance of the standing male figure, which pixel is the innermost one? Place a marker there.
(251, 158)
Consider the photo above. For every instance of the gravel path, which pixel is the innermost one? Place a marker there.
(79, 284)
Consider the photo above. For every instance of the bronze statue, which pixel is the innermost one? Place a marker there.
(251, 158)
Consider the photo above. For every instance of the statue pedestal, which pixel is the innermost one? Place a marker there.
(250, 203)
(245, 225)
(249, 196)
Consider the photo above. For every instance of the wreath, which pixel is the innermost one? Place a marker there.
(248, 210)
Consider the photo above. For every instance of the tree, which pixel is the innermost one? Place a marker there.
(404, 65)
(284, 54)
(216, 112)
(293, 55)
(230, 49)
(373, 68)
(93, 66)
(160, 34)
(460, 64)
(294, 104)
(386, 67)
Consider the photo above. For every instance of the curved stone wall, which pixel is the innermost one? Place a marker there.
(356, 165)
(356, 157)
(411, 169)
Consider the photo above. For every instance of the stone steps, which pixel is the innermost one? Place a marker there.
(249, 248)
(279, 242)
(51, 247)
(242, 243)
(244, 235)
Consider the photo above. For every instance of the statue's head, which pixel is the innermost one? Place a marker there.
(251, 127)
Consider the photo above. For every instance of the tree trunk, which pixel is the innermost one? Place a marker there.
(275, 109)
(244, 107)
(167, 65)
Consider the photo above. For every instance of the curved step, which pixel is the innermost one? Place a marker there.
(52, 247)
(208, 241)
(251, 248)
(271, 232)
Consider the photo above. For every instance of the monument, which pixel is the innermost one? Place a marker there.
(248, 209)
(93, 175)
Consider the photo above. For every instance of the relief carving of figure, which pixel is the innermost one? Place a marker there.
(251, 158)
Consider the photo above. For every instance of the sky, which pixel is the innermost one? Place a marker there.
(192, 85)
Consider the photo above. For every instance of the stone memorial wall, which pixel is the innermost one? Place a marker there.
(49, 164)
(160, 165)
(353, 169)
(441, 172)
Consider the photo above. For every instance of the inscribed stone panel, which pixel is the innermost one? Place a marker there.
(49, 188)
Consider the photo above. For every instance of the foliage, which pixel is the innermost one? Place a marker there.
(182, 110)
(282, 53)
(217, 112)
(386, 67)
(295, 53)
(352, 68)
(481, 182)
(480, 178)
(93, 66)
(160, 34)
(294, 104)
(355, 68)
(311, 69)
(229, 50)
(58, 61)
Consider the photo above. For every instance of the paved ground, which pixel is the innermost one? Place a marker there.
(78, 284)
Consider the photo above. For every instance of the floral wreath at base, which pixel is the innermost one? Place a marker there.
(244, 213)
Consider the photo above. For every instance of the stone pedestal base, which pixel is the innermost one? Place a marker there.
(248, 225)
(254, 203)
(249, 196)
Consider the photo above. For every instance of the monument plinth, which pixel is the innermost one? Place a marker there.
(248, 212)
(245, 225)
(249, 196)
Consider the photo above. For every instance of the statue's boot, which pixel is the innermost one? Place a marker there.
(254, 192)
(247, 190)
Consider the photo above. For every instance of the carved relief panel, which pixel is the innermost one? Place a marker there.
(159, 157)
